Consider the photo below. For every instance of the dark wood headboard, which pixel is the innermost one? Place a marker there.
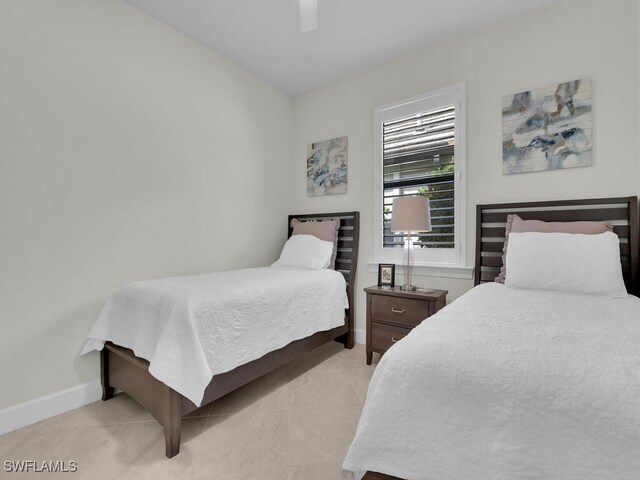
(348, 241)
(621, 211)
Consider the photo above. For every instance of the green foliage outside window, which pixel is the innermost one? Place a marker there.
(442, 211)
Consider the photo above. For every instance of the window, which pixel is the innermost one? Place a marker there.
(420, 151)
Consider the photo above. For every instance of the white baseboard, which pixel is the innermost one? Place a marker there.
(361, 336)
(27, 413)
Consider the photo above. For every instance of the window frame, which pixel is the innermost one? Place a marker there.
(425, 257)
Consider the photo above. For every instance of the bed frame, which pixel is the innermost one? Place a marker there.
(121, 369)
(490, 235)
(621, 211)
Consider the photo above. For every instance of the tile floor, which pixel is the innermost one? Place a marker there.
(295, 423)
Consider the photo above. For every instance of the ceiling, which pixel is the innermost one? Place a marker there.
(264, 36)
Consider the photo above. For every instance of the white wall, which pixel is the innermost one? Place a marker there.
(574, 39)
(127, 152)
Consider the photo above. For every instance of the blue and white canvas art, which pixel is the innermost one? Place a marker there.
(548, 128)
(327, 167)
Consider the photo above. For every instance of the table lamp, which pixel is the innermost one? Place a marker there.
(410, 215)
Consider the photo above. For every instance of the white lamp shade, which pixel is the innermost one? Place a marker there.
(411, 214)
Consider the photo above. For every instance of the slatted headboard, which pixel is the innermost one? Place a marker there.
(348, 241)
(621, 211)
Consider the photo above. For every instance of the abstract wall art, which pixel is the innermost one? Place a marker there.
(548, 128)
(327, 167)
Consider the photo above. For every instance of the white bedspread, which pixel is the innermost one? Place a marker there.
(192, 328)
(507, 385)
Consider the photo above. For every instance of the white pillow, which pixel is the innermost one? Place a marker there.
(305, 251)
(566, 262)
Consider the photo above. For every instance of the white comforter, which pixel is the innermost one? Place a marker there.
(192, 328)
(508, 384)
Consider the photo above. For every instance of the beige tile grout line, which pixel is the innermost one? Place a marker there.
(68, 439)
(196, 449)
(289, 429)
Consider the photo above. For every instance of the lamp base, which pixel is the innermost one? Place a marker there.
(408, 288)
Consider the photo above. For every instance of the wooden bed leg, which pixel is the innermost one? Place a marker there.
(171, 420)
(348, 339)
(107, 390)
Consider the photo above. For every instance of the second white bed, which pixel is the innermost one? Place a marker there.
(508, 384)
(192, 328)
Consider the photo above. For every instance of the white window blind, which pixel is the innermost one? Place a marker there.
(418, 158)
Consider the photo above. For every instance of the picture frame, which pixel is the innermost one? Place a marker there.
(548, 128)
(386, 275)
(327, 167)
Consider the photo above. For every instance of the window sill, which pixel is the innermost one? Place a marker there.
(431, 270)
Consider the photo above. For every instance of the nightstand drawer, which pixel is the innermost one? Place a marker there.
(400, 311)
(383, 336)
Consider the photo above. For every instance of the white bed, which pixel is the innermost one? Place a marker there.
(192, 328)
(508, 384)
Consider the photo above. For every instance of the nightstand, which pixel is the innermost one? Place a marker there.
(392, 313)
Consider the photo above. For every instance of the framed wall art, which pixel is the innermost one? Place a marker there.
(548, 128)
(327, 167)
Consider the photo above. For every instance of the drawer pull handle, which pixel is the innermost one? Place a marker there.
(394, 339)
(401, 312)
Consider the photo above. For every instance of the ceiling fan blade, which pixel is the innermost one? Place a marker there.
(308, 15)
